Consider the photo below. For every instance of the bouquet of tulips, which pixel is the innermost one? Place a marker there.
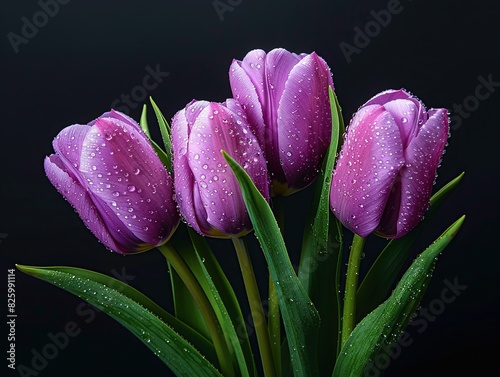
(226, 169)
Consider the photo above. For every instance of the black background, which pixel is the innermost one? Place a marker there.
(91, 52)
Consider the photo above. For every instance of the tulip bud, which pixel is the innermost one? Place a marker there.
(113, 178)
(207, 191)
(285, 98)
(387, 166)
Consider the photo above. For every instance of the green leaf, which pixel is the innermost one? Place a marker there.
(141, 316)
(164, 158)
(382, 275)
(315, 239)
(322, 249)
(300, 318)
(144, 121)
(145, 128)
(165, 133)
(185, 306)
(383, 326)
(203, 262)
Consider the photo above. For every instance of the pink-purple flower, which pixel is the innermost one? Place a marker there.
(111, 175)
(207, 191)
(285, 98)
(383, 179)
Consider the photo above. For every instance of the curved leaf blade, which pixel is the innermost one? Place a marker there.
(165, 132)
(384, 325)
(185, 307)
(143, 122)
(203, 263)
(322, 250)
(315, 240)
(125, 304)
(164, 158)
(300, 317)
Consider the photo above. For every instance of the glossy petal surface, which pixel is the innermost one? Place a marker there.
(285, 98)
(368, 165)
(115, 181)
(302, 118)
(395, 141)
(208, 194)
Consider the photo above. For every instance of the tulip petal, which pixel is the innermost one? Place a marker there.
(253, 65)
(279, 64)
(387, 96)
(218, 189)
(68, 146)
(193, 110)
(304, 120)
(186, 189)
(397, 96)
(183, 177)
(368, 165)
(79, 198)
(119, 116)
(123, 171)
(248, 95)
(422, 156)
(406, 113)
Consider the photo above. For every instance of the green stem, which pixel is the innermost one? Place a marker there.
(351, 287)
(274, 318)
(206, 309)
(258, 316)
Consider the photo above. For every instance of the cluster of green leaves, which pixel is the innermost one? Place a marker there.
(309, 302)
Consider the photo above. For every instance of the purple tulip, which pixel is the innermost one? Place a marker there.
(113, 178)
(385, 172)
(285, 98)
(207, 191)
